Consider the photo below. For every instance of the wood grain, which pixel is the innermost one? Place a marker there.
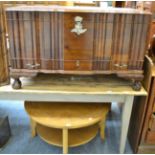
(149, 110)
(152, 123)
(150, 137)
(74, 119)
(112, 42)
(141, 132)
(64, 85)
(72, 9)
(140, 106)
(78, 48)
(33, 30)
(57, 115)
(4, 74)
(76, 136)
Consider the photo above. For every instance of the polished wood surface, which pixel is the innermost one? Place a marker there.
(50, 8)
(152, 48)
(153, 72)
(149, 109)
(73, 46)
(69, 120)
(150, 137)
(152, 122)
(78, 49)
(15, 3)
(152, 32)
(76, 136)
(4, 74)
(41, 40)
(61, 3)
(69, 115)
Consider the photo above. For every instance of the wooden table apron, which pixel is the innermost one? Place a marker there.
(84, 97)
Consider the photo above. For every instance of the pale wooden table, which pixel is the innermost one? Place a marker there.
(59, 88)
(48, 119)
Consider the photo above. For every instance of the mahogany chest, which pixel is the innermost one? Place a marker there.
(77, 40)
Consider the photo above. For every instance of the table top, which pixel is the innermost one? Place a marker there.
(66, 84)
(69, 115)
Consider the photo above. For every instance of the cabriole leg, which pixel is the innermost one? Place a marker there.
(136, 85)
(17, 84)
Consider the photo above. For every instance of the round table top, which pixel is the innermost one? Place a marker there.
(66, 115)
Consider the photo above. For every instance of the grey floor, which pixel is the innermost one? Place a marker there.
(22, 143)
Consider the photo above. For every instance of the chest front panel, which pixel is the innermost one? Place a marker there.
(78, 48)
(57, 41)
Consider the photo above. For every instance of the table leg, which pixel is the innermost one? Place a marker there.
(102, 128)
(126, 113)
(33, 128)
(65, 141)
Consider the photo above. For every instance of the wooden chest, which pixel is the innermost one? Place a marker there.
(77, 40)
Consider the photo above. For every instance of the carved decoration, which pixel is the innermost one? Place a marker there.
(78, 29)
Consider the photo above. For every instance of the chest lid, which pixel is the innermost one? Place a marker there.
(52, 8)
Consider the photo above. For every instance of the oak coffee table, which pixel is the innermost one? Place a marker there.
(67, 124)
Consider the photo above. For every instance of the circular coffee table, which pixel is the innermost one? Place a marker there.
(67, 124)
